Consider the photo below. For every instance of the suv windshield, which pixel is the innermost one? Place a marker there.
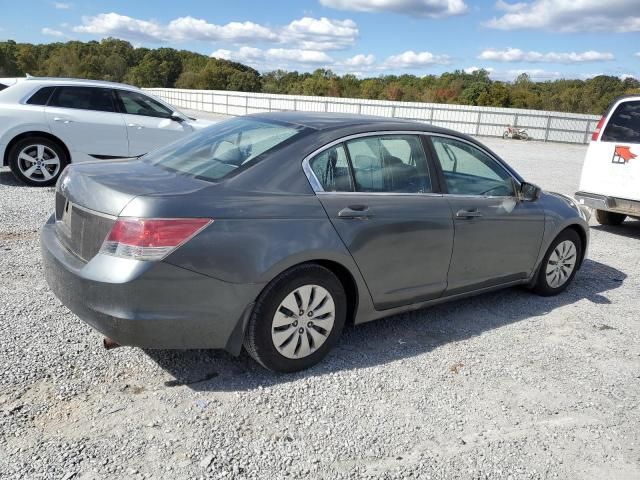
(217, 151)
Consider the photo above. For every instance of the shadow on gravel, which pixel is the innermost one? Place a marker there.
(629, 229)
(7, 178)
(392, 338)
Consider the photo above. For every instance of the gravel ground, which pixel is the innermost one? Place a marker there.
(503, 386)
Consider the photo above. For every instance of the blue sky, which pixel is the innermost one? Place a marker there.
(546, 38)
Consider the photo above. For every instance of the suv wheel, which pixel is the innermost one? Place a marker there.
(609, 218)
(559, 264)
(297, 319)
(37, 161)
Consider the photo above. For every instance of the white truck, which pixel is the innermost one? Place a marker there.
(610, 181)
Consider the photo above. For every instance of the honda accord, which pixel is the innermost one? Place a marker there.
(273, 230)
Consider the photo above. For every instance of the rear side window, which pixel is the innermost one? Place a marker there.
(83, 98)
(2, 86)
(389, 163)
(331, 168)
(41, 97)
(624, 124)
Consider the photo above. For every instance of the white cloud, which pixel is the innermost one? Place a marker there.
(61, 5)
(183, 28)
(471, 70)
(569, 15)
(420, 8)
(638, 54)
(321, 33)
(411, 59)
(259, 57)
(306, 33)
(534, 74)
(360, 61)
(52, 32)
(517, 55)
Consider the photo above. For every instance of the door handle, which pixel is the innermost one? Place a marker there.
(468, 214)
(63, 120)
(354, 211)
(135, 125)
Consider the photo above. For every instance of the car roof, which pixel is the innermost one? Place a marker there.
(77, 81)
(348, 121)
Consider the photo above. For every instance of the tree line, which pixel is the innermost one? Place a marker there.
(117, 60)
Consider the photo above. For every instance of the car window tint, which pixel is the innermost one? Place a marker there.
(135, 103)
(83, 98)
(624, 124)
(469, 171)
(389, 163)
(41, 97)
(331, 168)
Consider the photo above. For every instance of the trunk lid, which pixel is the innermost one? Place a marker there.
(90, 196)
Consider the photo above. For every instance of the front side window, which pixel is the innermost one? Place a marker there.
(469, 171)
(83, 98)
(215, 152)
(624, 124)
(135, 103)
(389, 163)
(331, 168)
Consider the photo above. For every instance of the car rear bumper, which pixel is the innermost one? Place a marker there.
(608, 203)
(148, 304)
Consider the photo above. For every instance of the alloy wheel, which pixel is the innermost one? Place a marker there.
(38, 163)
(303, 321)
(561, 263)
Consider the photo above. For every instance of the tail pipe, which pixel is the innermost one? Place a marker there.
(109, 344)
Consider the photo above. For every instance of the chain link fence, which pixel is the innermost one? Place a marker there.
(479, 121)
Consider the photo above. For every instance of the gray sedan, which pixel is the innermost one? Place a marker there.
(273, 230)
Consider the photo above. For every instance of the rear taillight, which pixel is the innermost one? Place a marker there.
(150, 238)
(596, 132)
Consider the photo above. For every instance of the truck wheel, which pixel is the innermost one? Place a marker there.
(609, 218)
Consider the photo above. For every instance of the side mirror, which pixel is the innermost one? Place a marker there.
(176, 118)
(529, 192)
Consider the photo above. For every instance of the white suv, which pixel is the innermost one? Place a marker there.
(610, 180)
(47, 123)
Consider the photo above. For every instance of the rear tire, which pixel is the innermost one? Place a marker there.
(284, 340)
(524, 136)
(37, 161)
(609, 218)
(559, 265)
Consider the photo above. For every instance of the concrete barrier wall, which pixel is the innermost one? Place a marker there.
(482, 121)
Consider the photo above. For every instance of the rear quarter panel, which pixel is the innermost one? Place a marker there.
(17, 119)
(606, 173)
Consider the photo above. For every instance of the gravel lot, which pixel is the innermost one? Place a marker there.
(507, 385)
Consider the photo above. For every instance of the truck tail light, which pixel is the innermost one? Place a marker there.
(150, 238)
(596, 132)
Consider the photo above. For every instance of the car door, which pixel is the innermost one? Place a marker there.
(378, 193)
(86, 120)
(497, 236)
(149, 123)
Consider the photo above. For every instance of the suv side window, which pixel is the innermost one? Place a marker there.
(135, 103)
(41, 97)
(331, 168)
(469, 171)
(624, 124)
(389, 163)
(83, 98)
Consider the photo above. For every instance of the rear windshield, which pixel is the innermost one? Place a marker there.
(224, 148)
(624, 125)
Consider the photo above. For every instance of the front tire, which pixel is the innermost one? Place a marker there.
(37, 161)
(609, 218)
(297, 319)
(559, 265)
